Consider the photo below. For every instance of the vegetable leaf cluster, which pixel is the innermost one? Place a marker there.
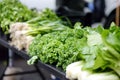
(13, 11)
(102, 52)
(59, 48)
(47, 21)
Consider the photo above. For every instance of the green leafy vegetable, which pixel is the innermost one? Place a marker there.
(13, 11)
(59, 48)
(47, 21)
(111, 40)
(102, 52)
(74, 71)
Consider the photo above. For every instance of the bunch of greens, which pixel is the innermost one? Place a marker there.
(100, 55)
(13, 11)
(59, 48)
(111, 52)
(47, 21)
(102, 52)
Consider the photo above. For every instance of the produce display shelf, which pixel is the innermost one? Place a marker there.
(50, 68)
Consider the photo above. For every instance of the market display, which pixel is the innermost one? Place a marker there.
(83, 53)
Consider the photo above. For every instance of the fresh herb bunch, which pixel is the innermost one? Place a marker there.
(47, 21)
(13, 11)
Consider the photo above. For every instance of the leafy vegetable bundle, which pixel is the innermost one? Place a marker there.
(47, 21)
(102, 50)
(59, 48)
(13, 11)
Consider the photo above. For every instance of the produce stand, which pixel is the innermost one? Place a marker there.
(51, 69)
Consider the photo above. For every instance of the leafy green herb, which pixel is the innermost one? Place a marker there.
(13, 11)
(47, 21)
